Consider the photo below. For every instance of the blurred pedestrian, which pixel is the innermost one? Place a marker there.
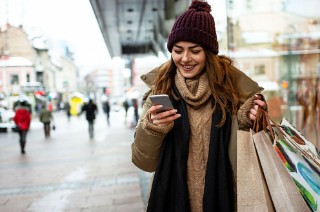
(135, 110)
(91, 110)
(67, 109)
(22, 119)
(46, 117)
(126, 108)
(38, 106)
(106, 110)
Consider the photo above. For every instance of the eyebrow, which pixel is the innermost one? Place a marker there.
(191, 47)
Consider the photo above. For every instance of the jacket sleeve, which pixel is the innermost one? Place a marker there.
(244, 120)
(148, 139)
(248, 88)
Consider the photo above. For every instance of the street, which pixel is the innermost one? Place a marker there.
(70, 171)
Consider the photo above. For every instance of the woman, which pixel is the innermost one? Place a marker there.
(191, 148)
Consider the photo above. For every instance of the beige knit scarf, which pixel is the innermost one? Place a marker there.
(196, 91)
(196, 94)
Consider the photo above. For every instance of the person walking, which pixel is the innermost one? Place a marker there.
(135, 111)
(67, 109)
(126, 108)
(46, 118)
(191, 148)
(22, 119)
(91, 110)
(106, 110)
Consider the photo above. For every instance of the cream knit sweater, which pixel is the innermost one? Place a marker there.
(196, 93)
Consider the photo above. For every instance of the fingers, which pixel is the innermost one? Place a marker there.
(253, 112)
(154, 108)
(259, 97)
(167, 120)
(153, 112)
(252, 117)
(259, 102)
(163, 118)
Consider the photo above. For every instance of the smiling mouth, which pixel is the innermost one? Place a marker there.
(188, 67)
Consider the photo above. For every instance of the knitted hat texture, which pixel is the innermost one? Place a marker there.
(195, 25)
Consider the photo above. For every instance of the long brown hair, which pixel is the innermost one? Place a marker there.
(222, 82)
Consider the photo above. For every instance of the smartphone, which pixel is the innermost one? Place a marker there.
(162, 99)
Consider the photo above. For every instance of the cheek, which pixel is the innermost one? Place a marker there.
(202, 65)
(176, 58)
(202, 60)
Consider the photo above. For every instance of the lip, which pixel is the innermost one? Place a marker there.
(188, 67)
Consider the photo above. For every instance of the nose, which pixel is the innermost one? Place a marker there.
(186, 57)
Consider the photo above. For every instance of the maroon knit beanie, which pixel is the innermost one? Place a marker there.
(195, 25)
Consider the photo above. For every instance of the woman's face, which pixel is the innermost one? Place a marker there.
(189, 58)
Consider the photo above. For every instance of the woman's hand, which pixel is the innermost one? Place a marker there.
(163, 118)
(259, 102)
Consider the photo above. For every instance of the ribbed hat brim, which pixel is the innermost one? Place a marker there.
(194, 35)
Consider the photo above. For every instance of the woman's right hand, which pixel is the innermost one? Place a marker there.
(163, 118)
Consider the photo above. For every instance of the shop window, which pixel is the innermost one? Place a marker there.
(39, 77)
(14, 79)
(259, 70)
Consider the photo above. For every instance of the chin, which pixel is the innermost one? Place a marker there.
(189, 74)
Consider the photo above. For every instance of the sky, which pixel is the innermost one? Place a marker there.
(70, 20)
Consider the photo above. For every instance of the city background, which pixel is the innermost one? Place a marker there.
(69, 51)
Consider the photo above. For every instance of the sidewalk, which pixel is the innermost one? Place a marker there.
(70, 172)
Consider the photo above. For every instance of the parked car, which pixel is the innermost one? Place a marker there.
(6, 119)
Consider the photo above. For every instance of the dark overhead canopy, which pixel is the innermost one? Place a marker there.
(131, 27)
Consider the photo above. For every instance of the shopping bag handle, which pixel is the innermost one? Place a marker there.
(263, 122)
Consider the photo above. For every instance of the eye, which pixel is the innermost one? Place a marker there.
(177, 51)
(195, 52)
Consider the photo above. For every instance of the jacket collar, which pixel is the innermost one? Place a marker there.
(149, 77)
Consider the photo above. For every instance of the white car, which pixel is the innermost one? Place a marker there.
(6, 119)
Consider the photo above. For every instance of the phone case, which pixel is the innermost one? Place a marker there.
(162, 99)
